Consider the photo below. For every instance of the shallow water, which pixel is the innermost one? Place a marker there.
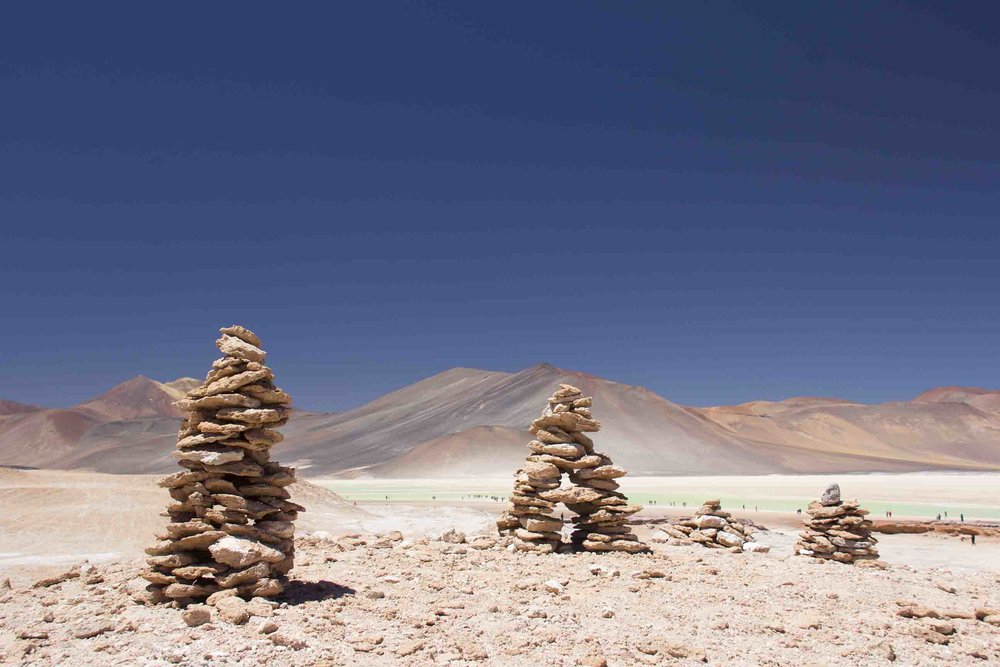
(923, 495)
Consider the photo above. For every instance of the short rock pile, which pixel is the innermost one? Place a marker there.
(837, 530)
(562, 446)
(716, 528)
(231, 523)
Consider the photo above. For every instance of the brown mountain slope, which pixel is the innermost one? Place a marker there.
(136, 398)
(645, 431)
(464, 454)
(44, 438)
(129, 428)
(947, 434)
(987, 400)
(472, 422)
(177, 388)
(435, 428)
(15, 408)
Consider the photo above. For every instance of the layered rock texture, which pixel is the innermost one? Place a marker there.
(713, 527)
(231, 522)
(562, 446)
(837, 530)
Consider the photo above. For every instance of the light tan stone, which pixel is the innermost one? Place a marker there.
(242, 333)
(231, 346)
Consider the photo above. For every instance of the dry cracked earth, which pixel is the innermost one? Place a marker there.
(379, 601)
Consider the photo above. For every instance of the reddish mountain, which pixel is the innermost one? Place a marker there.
(136, 420)
(135, 399)
(468, 422)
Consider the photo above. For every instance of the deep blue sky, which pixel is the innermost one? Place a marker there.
(720, 201)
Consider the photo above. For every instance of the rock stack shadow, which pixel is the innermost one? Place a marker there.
(298, 592)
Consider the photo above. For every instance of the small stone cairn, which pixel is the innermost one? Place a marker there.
(837, 530)
(231, 523)
(563, 446)
(715, 528)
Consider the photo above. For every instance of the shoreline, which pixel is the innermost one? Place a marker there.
(917, 496)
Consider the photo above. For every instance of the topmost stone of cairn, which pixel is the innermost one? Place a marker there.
(831, 496)
(242, 333)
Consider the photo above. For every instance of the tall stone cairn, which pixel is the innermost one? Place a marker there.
(837, 530)
(231, 523)
(563, 446)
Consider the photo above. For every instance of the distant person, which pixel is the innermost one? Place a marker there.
(798, 511)
(973, 539)
(938, 517)
(962, 516)
(946, 515)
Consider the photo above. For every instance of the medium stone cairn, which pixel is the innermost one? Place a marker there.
(563, 446)
(837, 530)
(715, 528)
(231, 523)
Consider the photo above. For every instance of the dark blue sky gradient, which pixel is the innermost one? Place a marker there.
(720, 201)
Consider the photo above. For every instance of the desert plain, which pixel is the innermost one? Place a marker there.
(375, 583)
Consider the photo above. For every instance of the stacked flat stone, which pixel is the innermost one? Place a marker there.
(837, 530)
(231, 522)
(715, 528)
(562, 445)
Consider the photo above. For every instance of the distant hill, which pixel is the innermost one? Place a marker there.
(15, 408)
(470, 422)
(981, 399)
(134, 412)
(891, 436)
(139, 397)
(405, 430)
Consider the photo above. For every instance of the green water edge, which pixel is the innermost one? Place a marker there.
(395, 491)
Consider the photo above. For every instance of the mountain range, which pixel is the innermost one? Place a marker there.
(469, 422)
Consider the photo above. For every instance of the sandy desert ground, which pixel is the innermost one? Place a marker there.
(411, 599)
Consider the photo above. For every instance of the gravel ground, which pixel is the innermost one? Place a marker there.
(369, 601)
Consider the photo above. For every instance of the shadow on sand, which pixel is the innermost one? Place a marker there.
(297, 592)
